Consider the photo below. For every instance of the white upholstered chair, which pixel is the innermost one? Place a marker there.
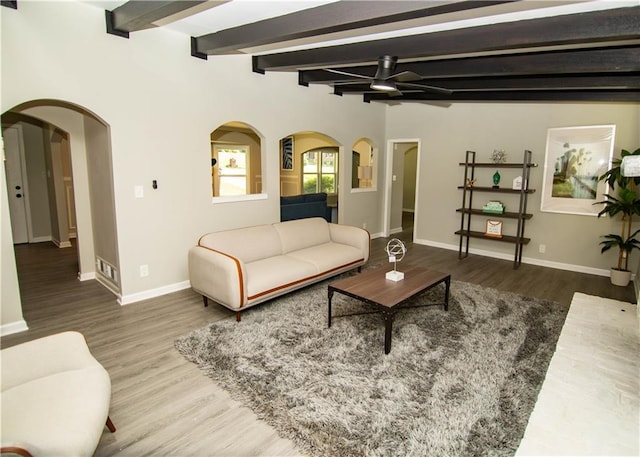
(55, 398)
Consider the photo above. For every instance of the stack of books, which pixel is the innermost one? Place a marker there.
(493, 207)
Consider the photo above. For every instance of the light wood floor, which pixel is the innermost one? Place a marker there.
(161, 404)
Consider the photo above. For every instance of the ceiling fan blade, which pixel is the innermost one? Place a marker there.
(440, 90)
(346, 73)
(406, 76)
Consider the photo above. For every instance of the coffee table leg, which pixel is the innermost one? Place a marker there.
(388, 324)
(447, 283)
(330, 296)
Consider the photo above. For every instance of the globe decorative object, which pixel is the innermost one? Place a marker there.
(395, 250)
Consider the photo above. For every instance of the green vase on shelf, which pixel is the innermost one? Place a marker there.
(496, 180)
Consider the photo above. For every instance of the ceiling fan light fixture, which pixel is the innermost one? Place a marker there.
(380, 84)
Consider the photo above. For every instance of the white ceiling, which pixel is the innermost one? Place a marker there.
(216, 17)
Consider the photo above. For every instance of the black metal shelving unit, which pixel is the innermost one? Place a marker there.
(467, 210)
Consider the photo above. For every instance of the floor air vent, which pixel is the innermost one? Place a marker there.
(107, 269)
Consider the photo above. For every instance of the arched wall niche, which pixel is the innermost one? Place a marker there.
(299, 153)
(292, 148)
(237, 161)
(363, 165)
(89, 143)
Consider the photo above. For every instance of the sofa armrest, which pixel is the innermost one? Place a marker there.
(13, 449)
(219, 276)
(352, 236)
(66, 351)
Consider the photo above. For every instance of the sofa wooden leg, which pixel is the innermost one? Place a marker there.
(238, 316)
(110, 426)
(205, 300)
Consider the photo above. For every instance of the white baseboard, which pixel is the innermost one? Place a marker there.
(152, 293)
(527, 260)
(376, 235)
(40, 239)
(86, 276)
(62, 244)
(395, 230)
(13, 327)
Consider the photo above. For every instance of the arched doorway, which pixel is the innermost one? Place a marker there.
(86, 208)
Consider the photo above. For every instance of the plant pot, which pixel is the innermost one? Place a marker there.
(620, 277)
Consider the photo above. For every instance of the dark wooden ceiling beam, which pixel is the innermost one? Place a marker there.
(13, 4)
(138, 15)
(330, 18)
(583, 29)
(598, 60)
(602, 95)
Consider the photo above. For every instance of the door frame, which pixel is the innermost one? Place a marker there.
(24, 178)
(386, 226)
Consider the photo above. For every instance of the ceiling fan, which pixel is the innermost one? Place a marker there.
(385, 80)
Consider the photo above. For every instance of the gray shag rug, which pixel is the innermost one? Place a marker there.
(455, 383)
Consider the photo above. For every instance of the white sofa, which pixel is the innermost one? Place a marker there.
(243, 267)
(55, 398)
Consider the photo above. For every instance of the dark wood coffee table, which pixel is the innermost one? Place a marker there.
(373, 288)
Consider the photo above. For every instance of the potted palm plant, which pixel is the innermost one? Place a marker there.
(627, 204)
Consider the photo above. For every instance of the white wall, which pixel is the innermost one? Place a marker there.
(161, 105)
(448, 132)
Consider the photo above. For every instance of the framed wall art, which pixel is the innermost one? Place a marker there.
(286, 151)
(574, 159)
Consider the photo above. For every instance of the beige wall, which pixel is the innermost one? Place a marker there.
(162, 134)
(54, 151)
(398, 186)
(37, 181)
(101, 194)
(409, 179)
(11, 319)
(447, 133)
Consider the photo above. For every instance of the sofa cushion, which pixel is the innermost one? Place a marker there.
(302, 233)
(247, 244)
(276, 273)
(328, 256)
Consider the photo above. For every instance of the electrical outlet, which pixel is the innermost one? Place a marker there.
(542, 248)
(144, 271)
(364, 225)
(138, 191)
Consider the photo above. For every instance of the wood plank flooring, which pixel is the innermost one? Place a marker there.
(161, 404)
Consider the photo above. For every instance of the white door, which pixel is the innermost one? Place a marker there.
(15, 184)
